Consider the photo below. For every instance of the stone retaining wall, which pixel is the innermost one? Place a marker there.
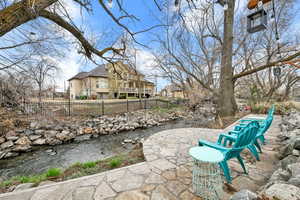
(49, 132)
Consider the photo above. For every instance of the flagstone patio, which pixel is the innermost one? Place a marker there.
(165, 175)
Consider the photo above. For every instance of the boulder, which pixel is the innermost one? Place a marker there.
(34, 137)
(2, 154)
(23, 186)
(50, 133)
(294, 169)
(87, 130)
(53, 141)
(39, 132)
(22, 148)
(46, 183)
(283, 192)
(244, 195)
(296, 152)
(28, 132)
(39, 141)
(7, 144)
(2, 140)
(11, 154)
(295, 181)
(82, 138)
(287, 160)
(64, 136)
(280, 175)
(34, 125)
(285, 151)
(297, 144)
(12, 138)
(11, 134)
(23, 141)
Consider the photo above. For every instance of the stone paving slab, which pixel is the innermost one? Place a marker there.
(165, 175)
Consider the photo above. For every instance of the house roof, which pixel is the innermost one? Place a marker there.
(99, 71)
(172, 87)
(102, 71)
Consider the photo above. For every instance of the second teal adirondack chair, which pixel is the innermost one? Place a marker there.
(262, 122)
(246, 137)
(270, 114)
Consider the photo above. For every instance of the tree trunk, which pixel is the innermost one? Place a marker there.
(226, 101)
(20, 13)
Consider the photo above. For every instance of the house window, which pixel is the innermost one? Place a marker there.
(102, 84)
(70, 84)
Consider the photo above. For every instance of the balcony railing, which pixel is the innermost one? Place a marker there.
(135, 90)
(132, 90)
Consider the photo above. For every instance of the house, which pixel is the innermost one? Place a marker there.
(117, 80)
(172, 91)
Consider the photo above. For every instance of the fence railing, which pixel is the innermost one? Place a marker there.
(71, 108)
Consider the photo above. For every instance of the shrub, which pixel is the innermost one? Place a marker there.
(280, 107)
(83, 97)
(115, 163)
(89, 165)
(53, 172)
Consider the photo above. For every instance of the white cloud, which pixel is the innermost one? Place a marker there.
(145, 61)
(72, 8)
(69, 66)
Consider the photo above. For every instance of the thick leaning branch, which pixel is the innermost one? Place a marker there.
(272, 64)
(20, 13)
(89, 49)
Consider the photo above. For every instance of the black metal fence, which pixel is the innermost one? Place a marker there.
(73, 108)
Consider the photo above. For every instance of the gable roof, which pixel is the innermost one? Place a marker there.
(99, 71)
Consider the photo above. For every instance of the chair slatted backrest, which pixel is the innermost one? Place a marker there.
(271, 110)
(247, 136)
(266, 125)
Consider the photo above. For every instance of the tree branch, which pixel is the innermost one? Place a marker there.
(89, 49)
(272, 64)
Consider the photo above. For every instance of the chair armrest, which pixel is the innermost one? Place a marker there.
(212, 145)
(242, 124)
(251, 119)
(239, 127)
(224, 138)
(234, 132)
(230, 137)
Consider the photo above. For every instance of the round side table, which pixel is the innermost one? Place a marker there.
(207, 181)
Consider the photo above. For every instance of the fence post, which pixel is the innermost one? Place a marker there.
(127, 106)
(156, 102)
(102, 107)
(168, 104)
(69, 105)
(145, 103)
(141, 104)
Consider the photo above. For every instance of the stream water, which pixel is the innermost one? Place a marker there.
(64, 155)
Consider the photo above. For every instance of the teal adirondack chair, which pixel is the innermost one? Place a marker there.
(233, 135)
(244, 138)
(264, 123)
(270, 114)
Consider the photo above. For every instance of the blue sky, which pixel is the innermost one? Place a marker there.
(148, 15)
(99, 23)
